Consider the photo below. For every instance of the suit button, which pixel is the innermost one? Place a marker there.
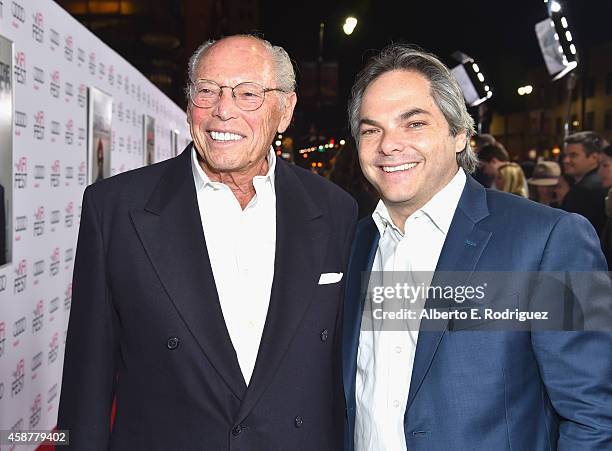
(236, 431)
(299, 421)
(324, 335)
(172, 343)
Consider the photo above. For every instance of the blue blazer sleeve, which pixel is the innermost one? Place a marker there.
(576, 366)
(90, 361)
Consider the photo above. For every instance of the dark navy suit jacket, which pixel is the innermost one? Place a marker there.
(146, 326)
(498, 390)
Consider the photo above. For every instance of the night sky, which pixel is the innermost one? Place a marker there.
(499, 35)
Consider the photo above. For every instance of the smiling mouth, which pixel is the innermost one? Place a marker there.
(401, 167)
(224, 136)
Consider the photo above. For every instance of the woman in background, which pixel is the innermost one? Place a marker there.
(511, 179)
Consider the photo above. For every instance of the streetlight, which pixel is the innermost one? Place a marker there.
(349, 25)
(525, 90)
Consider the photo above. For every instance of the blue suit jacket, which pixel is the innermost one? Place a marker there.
(485, 390)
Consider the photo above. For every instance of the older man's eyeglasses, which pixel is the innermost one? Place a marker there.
(248, 96)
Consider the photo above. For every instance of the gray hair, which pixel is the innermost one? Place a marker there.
(285, 75)
(443, 88)
(592, 142)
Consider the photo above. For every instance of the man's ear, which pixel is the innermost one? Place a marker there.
(287, 113)
(460, 141)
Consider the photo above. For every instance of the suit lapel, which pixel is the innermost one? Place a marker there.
(360, 262)
(170, 229)
(301, 242)
(462, 249)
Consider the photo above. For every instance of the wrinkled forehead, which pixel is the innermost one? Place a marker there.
(236, 60)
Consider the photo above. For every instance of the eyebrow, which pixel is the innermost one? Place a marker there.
(401, 118)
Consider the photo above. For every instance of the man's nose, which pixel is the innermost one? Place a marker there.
(226, 107)
(391, 143)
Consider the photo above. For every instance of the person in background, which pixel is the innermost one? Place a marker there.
(605, 172)
(545, 177)
(581, 160)
(491, 157)
(511, 179)
(479, 141)
(561, 189)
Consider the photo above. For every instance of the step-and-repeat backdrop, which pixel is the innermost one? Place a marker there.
(72, 111)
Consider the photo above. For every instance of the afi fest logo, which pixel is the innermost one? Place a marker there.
(82, 96)
(81, 136)
(2, 338)
(51, 396)
(39, 174)
(35, 412)
(21, 276)
(37, 362)
(38, 316)
(55, 219)
(120, 111)
(67, 301)
(19, 14)
(92, 63)
(19, 327)
(3, 283)
(39, 125)
(53, 349)
(55, 174)
(55, 85)
(69, 172)
(68, 256)
(39, 269)
(55, 39)
(18, 379)
(55, 130)
(101, 70)
(39, 77)
(80, 57)
(21, 173)
(68, 48)
(16, 428)
(39, 221)
(68, 91)
(53, 307)
(20, 67)
(69, 135)
(21, 225)
(54, 266)
(38, 27)
(126, 85)
(21, 121)
(111, 75)
(82, 173)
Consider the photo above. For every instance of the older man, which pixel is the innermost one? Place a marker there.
(462, 381)
(207, 288)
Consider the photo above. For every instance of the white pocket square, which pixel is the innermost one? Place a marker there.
(330, 277)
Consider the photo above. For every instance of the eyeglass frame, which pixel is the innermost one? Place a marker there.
(264, 90)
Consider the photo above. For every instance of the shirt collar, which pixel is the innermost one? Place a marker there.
(440, 208)
(202, 180)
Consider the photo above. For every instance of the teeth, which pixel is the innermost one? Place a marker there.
(227, 136)
(402, 167)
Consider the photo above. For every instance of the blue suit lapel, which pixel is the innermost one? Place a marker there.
(462, 248)
(361, 260)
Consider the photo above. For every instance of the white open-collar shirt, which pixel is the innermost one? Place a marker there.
(241, 246)
(385, 355)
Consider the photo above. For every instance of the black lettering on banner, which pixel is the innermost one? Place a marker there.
(18, 12)
(55, 38)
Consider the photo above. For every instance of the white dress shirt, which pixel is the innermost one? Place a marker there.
(241, 246)
(385, 357)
